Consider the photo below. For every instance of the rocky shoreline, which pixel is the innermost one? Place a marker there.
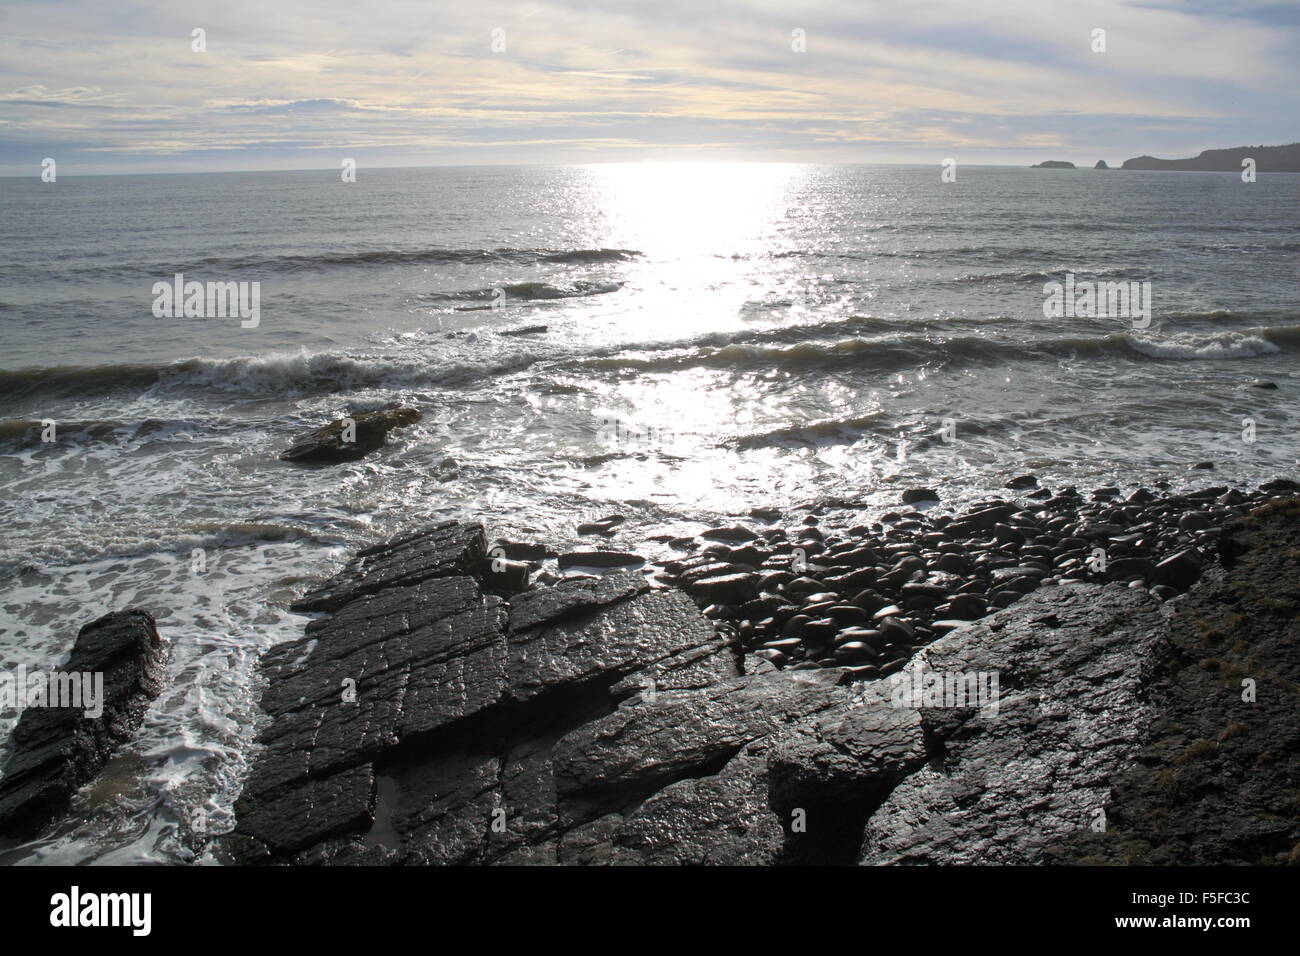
(461, 702)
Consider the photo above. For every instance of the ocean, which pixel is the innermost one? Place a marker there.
(675, 343)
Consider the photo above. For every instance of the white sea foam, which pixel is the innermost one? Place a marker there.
(1227, 345)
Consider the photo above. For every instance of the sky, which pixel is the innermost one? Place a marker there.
(113, 86)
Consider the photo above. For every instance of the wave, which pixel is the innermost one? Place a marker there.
(843, 345)
(910, 351)
(528, 291)
(1057, 275)
(64, 381)
(218, 538)
(325, 373)
(369, 257)
(809, 434)
(18, 433)
(1228, 345)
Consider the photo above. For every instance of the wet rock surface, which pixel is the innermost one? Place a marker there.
(55, 749)
(613, 719)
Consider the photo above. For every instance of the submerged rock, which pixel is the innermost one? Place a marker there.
(601, 525)
(347, 439)
(56, 749)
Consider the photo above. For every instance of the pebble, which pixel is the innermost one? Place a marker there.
(735, 534)
(599, 559)
(913, 495)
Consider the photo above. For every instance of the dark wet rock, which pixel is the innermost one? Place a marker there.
(766, 514)
(748, 555)
(1259, 383)
(952, 563)
(1280, 486)
(1203, 466)
(795, 624)
(1006, 534)
(1180, 570)
(801, 586)
(347, 439)
(448, 548)
(502, 574)
(599, 559)
(1022, 481)
(526, 330)
(729, 588)
(1193, 521)
(304, 816)
(1014, 573)
(1130, 569)
(54, 750)
(967, 606)
(601, 525)
(914, 495)
(896, 629)
(985, 518)
(398, 682)
(733, 535)
(555, 603)
(520, 550)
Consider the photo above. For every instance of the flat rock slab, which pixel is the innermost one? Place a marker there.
(425, 681)
(56, 749)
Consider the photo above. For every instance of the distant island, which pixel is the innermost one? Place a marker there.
(1268, 159)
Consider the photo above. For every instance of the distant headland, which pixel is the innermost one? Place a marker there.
(1268, 159)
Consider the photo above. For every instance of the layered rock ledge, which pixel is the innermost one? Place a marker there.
(605, 719)
(58, 745)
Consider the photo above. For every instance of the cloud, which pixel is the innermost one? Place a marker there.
(879, 81)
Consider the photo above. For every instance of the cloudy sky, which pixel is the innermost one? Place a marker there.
(115, 86)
